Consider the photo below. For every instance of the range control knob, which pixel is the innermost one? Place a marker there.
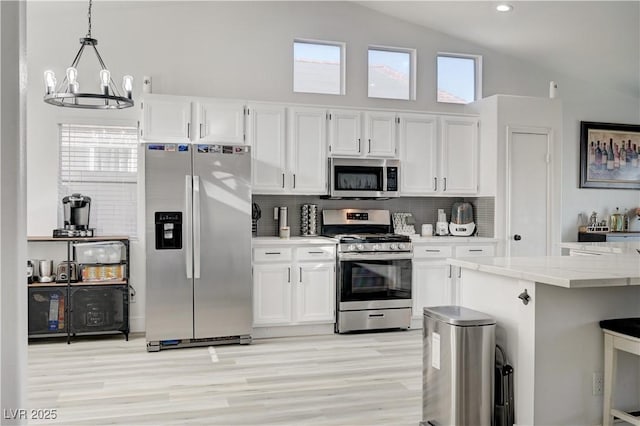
(402, 246)
(351, 247)
(359, 247)
(375, 247)
(393, 246)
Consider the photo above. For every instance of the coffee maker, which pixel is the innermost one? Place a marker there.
(76, 209)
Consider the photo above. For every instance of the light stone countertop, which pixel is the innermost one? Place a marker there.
(621, 247)
(270, 241)
(562, 271)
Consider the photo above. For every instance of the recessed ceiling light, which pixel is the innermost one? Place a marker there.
(504, 7)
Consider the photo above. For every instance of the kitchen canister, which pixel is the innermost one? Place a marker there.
(309, 220)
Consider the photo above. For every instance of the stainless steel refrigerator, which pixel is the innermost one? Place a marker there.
(198, 245)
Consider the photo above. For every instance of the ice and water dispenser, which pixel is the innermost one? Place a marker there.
(168, 230)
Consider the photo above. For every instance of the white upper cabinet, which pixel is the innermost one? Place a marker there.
(345, 133)
(380, 134)
(439, 154)
(459, 157)
(418, 140)
(166, 119)
(180, 119)
(307, 167)
(220, 121)
(267, 137)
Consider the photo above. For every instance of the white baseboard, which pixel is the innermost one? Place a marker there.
(291, 331)
(136, 324)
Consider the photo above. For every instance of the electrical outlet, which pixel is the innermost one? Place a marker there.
(597, 384)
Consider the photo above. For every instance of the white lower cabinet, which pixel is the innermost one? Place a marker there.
(271, 294)
(434, 281)
(297, 292)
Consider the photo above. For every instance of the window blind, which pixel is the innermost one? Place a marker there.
(102, 163)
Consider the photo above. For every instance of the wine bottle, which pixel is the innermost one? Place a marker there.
(629, 154)
(623, 156)
(634, 162)
(605, 156)
(616, 156)
(592, 154)
(610, 159)
(620, 155)
(598, 156)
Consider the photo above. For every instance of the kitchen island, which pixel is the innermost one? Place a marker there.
(601, 248)
(554, 341)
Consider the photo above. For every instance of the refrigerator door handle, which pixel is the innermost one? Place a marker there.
(196, 227)
(188, 260)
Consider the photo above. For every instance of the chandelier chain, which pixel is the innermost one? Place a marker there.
(89, 17)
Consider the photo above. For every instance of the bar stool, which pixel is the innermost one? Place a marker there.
(621, 334)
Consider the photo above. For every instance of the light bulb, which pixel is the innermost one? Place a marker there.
(72, 75)
(127, 85)
(50, 81)
(105, 76)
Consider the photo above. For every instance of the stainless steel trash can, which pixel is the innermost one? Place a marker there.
(457, 367)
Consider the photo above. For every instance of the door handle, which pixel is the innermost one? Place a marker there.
(188, 258)
(435, 183)
(283, 180)
(200, 130)
(517, 237)
(294, 180)
(188, 130)
(358, 145)
(445, 184)
(196, 227)
(369, 146)
(289, 274)
(300, 275)
(376, 315)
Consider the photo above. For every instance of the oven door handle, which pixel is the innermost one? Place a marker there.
(378, 256)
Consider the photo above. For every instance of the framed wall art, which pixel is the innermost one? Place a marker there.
(609, 155)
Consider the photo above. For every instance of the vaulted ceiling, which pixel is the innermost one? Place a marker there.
(591, 40)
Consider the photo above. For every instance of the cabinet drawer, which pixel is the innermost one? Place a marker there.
(420, 252)
(462, 251)
(315, 253)
(272, 254)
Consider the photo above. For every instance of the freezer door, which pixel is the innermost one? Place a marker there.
(169, 291)
(222, 248)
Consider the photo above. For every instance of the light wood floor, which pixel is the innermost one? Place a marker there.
(361, 379)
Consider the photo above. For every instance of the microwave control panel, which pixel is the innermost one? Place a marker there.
(392, 179)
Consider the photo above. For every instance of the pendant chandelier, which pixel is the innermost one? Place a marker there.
(68, 94)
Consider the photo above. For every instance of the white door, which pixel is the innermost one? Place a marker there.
(344, 133)
(307, 151)
(431, 285)
(528, 180)
(418, 153)
(166, 120)
(271, 294)
(380, 134)
(266, 135)
(220, 121)
(316, 292)
(459, 155)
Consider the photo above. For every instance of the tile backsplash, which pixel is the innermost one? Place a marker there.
(424, 209)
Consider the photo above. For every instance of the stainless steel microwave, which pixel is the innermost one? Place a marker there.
(363, 178)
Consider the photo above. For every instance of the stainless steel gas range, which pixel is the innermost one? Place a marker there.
(374, 270)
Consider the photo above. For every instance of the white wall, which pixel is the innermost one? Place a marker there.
(243, 50)
(13, 297)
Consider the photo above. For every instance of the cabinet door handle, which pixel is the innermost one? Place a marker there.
(369, 152)
(289, 274)
(188, 130)
(432, 251)
(294, 180)
(315, 252)
(200, 130)
(376, 315)
(435, 183)
(476, 250)
(300, 275)
(272, 252)
(449, 271)
(445, 184)
(358, 145)
(283, 180)
(459, 272)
